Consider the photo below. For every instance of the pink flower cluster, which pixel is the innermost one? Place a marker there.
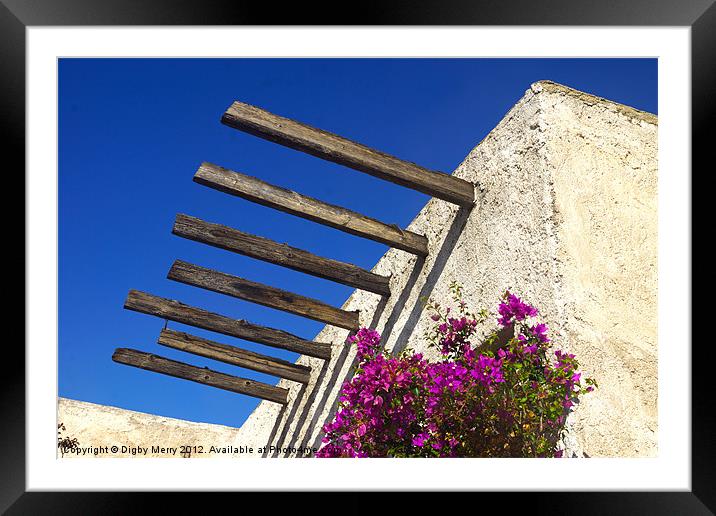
(475, 402)
(399, 402)
(514, 309)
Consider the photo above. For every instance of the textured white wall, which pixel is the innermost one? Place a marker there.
(135, 434)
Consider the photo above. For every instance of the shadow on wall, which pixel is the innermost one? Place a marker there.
(451, 239)
(324, 387)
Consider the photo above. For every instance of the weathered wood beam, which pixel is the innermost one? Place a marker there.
(281, 254)
(241, 288)
(179, 312)
(261, 123)
(234, 356)
(201, 375)
(288, 201)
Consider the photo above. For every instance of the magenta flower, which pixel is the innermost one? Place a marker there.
(514, 309)
(419, 440)
(540, 332)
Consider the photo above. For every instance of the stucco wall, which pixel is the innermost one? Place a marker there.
(565, 217)
(605, 191)
(98, 428)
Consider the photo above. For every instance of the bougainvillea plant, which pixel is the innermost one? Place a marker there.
(505, 396)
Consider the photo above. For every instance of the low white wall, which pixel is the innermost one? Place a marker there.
(99, 428)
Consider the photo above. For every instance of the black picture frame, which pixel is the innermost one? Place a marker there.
(700, 15)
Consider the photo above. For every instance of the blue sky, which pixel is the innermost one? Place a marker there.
(132, 132)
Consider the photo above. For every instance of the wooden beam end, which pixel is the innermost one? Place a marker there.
(227, 116)
(204, 172)
(132, 295)
(173, 269)
(118, 353)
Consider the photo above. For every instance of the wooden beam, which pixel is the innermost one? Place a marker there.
(261, 123)
(201, 375)
(241, 288)
(234, 356)
(281, 254)
(288, 201)
(179, 312)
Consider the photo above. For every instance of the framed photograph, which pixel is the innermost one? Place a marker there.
(442, 249)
